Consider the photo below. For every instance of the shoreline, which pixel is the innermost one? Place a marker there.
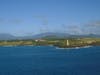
(75, 47)
(50, 46)
(59, 43)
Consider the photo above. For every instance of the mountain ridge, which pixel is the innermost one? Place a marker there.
(5, 36)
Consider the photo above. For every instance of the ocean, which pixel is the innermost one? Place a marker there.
(49, 60)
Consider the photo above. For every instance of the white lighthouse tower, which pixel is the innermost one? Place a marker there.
(67, 43)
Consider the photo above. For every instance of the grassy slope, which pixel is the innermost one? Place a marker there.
(73, 42)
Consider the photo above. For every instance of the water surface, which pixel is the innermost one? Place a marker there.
(46, 60)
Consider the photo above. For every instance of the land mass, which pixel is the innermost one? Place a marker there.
(53, 41)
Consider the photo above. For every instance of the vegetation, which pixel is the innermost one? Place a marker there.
(64, 43)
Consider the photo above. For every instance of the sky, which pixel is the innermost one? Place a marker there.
(30, 17)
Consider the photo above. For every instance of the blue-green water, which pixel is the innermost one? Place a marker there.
(49, 61)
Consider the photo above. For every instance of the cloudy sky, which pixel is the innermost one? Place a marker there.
(29, 17)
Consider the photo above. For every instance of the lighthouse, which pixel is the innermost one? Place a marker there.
(67, 42)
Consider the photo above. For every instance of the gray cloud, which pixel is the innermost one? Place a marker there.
(92, 27)
(11, 21)
(93, 24)
(75, 29)
(88, 28)
(15, 21)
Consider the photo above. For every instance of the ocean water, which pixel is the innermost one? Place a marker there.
(46, 60)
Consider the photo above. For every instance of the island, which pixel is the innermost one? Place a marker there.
(61, 42)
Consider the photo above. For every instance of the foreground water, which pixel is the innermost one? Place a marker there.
(49, 61)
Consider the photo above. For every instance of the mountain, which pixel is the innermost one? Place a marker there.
(38, 36)
(57, 35)
(5, 36)
(45, 35)
(51, 34)
(66, 35)
(86, 36)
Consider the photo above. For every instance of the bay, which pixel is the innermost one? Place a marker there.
(49, 60)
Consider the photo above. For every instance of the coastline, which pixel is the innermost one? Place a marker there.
(49, 46)
(59, 43)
